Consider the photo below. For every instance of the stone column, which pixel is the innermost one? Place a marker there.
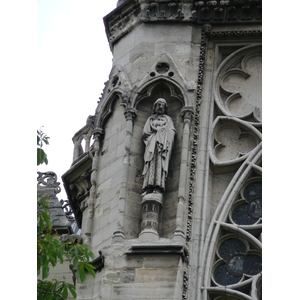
(119, 235)
(151, 206)
(98, 135)
(187, 114)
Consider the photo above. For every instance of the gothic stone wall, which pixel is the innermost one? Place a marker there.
(217, 73)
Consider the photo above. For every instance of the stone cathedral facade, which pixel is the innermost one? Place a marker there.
(166, 180)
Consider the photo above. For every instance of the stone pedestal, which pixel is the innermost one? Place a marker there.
(151, 205)
(179, 236)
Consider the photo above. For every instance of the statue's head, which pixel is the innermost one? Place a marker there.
(160, 106)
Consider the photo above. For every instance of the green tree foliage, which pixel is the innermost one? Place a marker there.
(50, 251)
(42, 139)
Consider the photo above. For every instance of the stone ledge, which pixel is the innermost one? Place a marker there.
(155, 248)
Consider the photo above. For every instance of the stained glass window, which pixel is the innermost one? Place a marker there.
(237, 265)
(252, 191)
(222, 276)
(256, 264)
(250, 211)
(241, 216)
(237, 262)
(230, 247)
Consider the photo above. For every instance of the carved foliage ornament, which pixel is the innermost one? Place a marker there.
(171, 11)
(204, 11)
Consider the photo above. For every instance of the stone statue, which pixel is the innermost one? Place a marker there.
(158, 137)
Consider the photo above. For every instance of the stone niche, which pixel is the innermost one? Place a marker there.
(143, 105)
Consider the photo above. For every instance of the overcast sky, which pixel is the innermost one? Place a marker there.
(74, 62)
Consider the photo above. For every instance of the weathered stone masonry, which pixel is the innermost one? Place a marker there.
(203, 237)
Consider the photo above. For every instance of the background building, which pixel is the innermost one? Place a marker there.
(200, 236)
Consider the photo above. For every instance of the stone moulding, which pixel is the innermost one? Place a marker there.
(195, 131)
(235, 33)
(130, 13)
(194, 150)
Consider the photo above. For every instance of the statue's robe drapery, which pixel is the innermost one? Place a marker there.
(158, 137)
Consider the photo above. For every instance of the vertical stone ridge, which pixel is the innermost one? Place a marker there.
(205, 29)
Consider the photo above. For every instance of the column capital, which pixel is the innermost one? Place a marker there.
(98, 133)
(130, 113)
(187, 113)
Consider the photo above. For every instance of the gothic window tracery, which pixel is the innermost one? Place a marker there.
(238, 260)
(248, 210)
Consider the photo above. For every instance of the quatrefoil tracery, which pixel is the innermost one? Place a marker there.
(238, 85)
(237, 261)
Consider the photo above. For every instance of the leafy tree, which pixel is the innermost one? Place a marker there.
(51, 251)
(42, 139)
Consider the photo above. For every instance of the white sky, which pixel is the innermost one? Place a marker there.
(74, 61)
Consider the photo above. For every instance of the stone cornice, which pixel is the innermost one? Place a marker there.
(121, 20)
(132, 12)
